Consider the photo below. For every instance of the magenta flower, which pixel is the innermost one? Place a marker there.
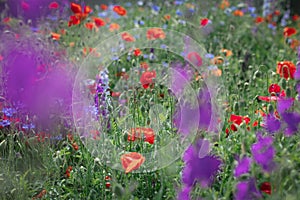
(272, 124)
(263, 152)
(242, 167)
(247, 190)
(199, 166)
(190, 117)
(292, 121)
(180, 78)
(284, 104)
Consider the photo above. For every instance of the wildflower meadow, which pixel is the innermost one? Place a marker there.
(174, 99)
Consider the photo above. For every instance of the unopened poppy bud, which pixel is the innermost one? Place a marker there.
(235, 106)
(288, 92)
(283, 83)
(256, 74)
(270, 108)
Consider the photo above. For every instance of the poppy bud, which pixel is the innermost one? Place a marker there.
(283, 83)
(270, 108)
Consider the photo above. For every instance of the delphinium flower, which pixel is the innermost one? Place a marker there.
(199, 167)
(101, 98)
(263, 152)
(285, 17)
(267, 9)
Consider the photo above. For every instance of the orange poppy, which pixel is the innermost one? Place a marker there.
(99, 22)
(226, 52)
(294, 44)
(167, 17)
(224, 4)
(131, 161)
(120, 10)
(194, 58)
(114, 27)
(103, 7)
(155, 33)
(55, 36)
(289, 31)
(286, 69)
(217, 60)
(127, 37)
(238, 13)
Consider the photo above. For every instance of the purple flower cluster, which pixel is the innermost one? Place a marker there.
(101, 97)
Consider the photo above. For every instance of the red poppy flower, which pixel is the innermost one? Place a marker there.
(99, 22)
(132, 161)
(274, 88)
(147, 78)
(76, 8)
(155, 33)
(75, 146)
(40, 195)
(194, 58)
(120, 10)
(266, 187)
(144, 65)
(70, 137)
(79, 13)
(136, 133)
(103, 7)
(204, 22)
(127, 37)
(295, 17)
(90, 25)
(6, 20)
(68, 171)
(137, 52)
(259, 20)
(73, 21)
(277, 12)
(123, 75)
(107, 185)
(286, 69)
(255, 123)
(237, 120)
(289, 31)
(53, 5)
(268, 99)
